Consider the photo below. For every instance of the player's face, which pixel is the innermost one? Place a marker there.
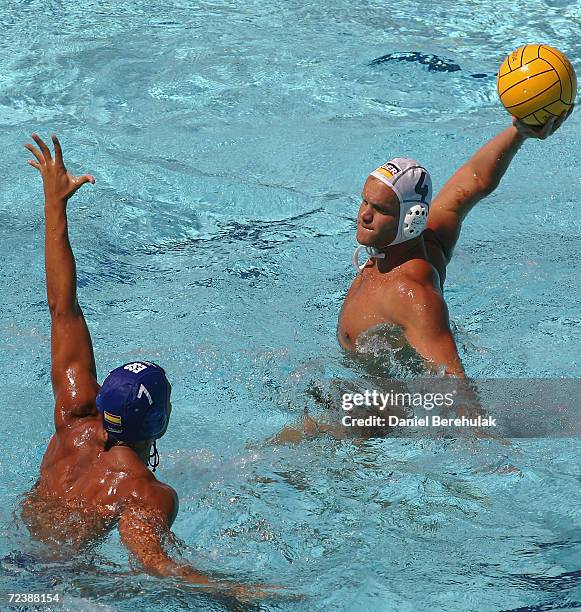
(378, 216)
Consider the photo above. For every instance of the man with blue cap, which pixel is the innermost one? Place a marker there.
(94, 474)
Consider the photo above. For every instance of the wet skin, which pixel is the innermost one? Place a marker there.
(79, 474)
(84, 490)
(410, 278)
(406, 288)
(86, 486)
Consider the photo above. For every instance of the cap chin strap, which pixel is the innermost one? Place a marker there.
(153, 460)
(372, 252)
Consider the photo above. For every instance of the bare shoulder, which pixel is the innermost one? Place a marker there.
(416, 295)
(73, 439)
(415, 278)
(149, 493)
(412, 292)
(76, 398)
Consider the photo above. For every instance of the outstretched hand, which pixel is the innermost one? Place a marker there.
(58, 183)
(552, 125)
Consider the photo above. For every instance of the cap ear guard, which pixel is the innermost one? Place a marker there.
(412, 185)
(415, 221)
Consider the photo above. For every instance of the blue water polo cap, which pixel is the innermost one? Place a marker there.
(134, 402)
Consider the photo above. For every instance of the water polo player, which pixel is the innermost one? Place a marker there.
(94, 474)
(409, 241)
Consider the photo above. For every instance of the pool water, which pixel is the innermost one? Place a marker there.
(230, 141)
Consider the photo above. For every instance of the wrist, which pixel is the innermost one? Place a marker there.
(51, 201)
(519, 136)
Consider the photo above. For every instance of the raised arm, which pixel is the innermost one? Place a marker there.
(479, 177)
(74, 379)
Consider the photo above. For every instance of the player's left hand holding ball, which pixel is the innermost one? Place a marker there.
(552, 125)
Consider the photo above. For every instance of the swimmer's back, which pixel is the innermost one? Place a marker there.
(82, 483)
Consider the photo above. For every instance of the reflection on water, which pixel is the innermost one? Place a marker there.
(384, 351)
(229, 146)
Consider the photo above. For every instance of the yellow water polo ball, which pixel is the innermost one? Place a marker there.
(535, 83)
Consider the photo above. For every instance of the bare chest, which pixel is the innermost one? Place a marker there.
(368, 303)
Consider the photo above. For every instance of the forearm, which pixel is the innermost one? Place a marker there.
(492, 160)
(144, 531)
(144, 535)
(216, 586)
(164, 567)
(60, 268)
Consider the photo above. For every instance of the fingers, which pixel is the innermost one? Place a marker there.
(525, 130)
(34, 164)
(562, 118)
(567, 114)
(559, 122)
(86, 178)
(35, 152)
(541, 132)
(58, 152)
(45, 150)
(548, 128)
(79, 181)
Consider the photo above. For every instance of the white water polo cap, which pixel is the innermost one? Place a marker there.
(412, 185)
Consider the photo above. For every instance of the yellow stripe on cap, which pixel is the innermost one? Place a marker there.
(112, 418)
(382, 170)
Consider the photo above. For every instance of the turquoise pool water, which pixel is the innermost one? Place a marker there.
(230, 141)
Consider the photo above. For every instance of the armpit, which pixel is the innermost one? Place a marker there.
(437, 254)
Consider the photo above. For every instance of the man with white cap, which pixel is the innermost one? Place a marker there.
(409, 242)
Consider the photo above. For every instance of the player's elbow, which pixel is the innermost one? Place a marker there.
(487, 186)
(60, 309)
(483, 184)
